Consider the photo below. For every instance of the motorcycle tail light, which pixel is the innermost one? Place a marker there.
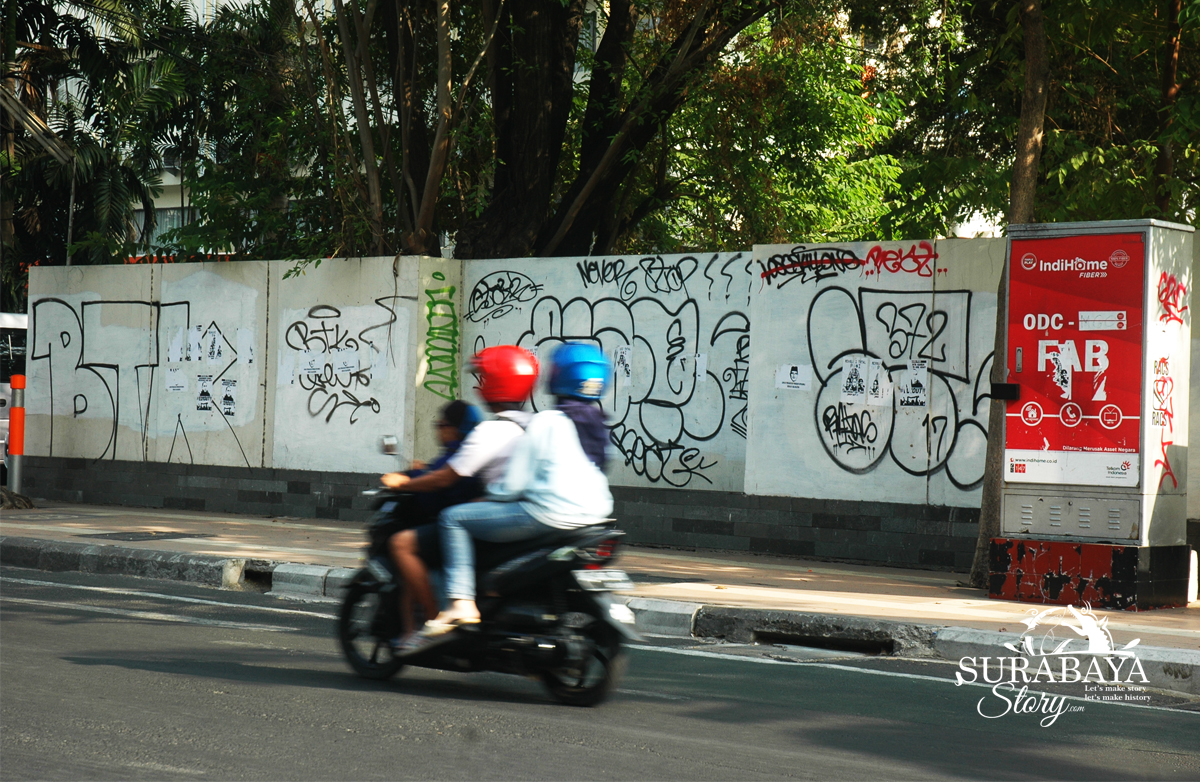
(596, 556)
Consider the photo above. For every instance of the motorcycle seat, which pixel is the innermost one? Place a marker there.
(489, 555)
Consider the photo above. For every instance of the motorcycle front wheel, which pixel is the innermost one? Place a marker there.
(588, 681)
(363, 624)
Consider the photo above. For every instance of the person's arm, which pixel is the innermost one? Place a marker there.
(441, 478)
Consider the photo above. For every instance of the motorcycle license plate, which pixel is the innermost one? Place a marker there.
(603, 580)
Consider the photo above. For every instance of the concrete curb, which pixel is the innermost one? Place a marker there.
(1168, 669)
(309, 581)
(115, 560)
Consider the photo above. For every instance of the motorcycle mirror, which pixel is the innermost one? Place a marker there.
(389, 444)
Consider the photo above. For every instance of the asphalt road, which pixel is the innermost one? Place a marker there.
(123, 678)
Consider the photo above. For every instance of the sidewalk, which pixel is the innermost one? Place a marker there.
(718, 594)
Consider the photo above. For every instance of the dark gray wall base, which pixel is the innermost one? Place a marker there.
(921, 536)
(200, 487)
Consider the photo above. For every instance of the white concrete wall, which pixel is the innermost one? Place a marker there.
(107, 361)
(344, 353)
(675, 424)
(1193, 471)
(826, 308)
(205, 363)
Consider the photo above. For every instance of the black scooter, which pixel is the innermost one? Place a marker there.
(545, 604)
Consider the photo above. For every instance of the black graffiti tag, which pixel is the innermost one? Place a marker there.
(808, 265)
(852, 431)
(497, 294)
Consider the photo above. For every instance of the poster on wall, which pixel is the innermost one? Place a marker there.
(624, 363)
(214, 348)
(176, 380)
(1075, 350)
(879, 384)
(195, 343)
(854, 380)
(175, 348)
(204, 392)
(913, 390)
(245, 346)
(228, 397)
(794, 377)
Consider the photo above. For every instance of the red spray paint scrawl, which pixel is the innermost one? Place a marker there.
(1170, 295)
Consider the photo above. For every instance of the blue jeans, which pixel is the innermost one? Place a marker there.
(494, 522)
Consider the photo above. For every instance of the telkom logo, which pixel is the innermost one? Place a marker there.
(1066, 355)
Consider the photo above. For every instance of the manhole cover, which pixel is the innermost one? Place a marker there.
(139, 536)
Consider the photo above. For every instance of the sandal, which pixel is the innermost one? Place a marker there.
(431, 635)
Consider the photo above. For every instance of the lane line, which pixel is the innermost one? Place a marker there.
(894, 674)
(161, 596)
(153, 615)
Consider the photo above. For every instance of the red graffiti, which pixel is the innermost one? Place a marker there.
(1170, 296)
(1163, 413)
(894, 261)
(1165, 463)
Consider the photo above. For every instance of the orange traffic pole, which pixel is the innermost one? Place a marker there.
(16, 434)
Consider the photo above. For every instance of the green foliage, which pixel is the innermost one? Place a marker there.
(781, 144)
(1107, 116)
(824, 120)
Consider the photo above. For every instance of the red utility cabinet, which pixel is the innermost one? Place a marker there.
(1095, 442)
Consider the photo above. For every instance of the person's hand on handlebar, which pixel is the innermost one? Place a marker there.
(394, 480)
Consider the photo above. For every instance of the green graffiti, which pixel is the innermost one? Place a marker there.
(441, 341)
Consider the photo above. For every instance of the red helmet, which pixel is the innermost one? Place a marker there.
(507, 373)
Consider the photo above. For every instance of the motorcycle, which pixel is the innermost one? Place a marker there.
(546, 609)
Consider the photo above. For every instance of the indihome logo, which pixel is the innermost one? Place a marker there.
(1043, 656)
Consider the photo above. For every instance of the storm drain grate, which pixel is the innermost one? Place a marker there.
(140, 536)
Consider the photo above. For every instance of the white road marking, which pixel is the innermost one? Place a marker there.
(153, 615)
(895, 674)
(649, 694)
(161, 596)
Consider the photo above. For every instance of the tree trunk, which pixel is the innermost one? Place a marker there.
(1033, 115)
(424, 241)
(362, 118)
(590, 199)
(1020, 210)
(532, 66)
(1164, 167)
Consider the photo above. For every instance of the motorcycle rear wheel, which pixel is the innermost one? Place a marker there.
(360, 626)
(598, 675)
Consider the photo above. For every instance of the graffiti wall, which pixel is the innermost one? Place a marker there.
(677, 329)
(227, 363)
(343, 334)
(869, 376)
(147, 364)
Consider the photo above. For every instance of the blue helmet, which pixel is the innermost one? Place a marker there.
(579, 370)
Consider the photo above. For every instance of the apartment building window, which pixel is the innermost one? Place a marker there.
(167, 220)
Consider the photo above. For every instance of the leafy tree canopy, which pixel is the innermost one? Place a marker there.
(555, 127)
